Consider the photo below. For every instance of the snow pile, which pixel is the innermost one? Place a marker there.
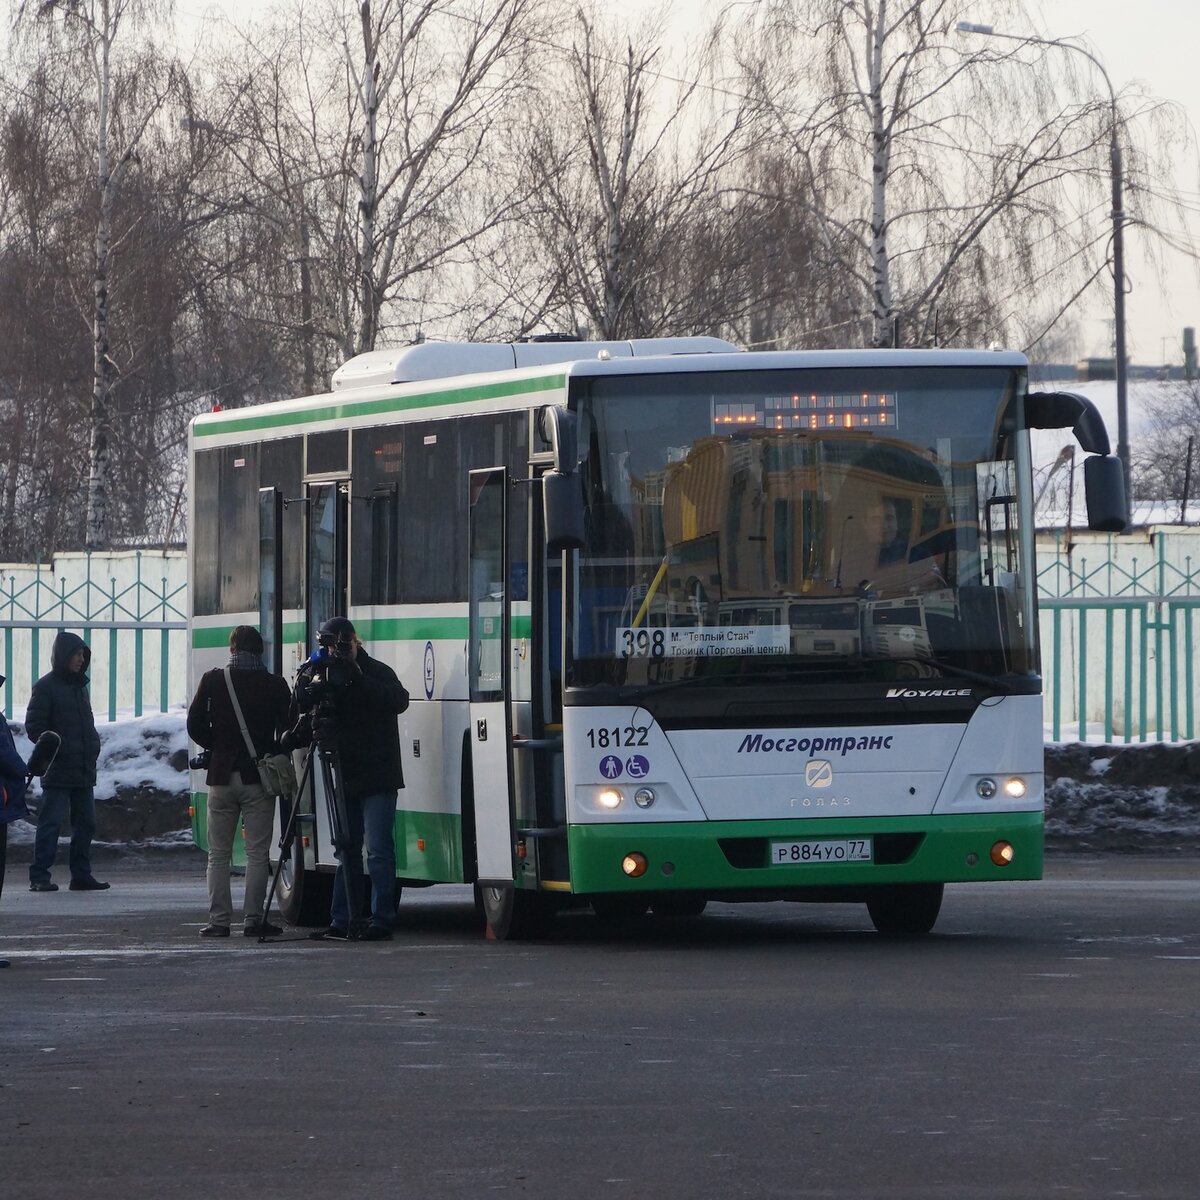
(1114, 798)
(142, 787)
(143, 752)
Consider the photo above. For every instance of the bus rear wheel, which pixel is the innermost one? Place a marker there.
(304, 896)
(512, 914)
(905, 909)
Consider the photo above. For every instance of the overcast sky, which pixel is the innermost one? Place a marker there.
(1156, 42)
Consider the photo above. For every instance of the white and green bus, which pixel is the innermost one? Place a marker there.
(679, 623)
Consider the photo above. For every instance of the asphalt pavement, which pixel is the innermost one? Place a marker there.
(1044, 1041)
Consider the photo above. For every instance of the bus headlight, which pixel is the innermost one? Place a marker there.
(986, 788)
(644, 797)
(1014, 787)
(609, 798)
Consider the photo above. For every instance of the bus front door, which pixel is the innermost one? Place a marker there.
(324, 597)
(303, 892)
(488, 667)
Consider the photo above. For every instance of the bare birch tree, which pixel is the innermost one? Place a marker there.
(368, 133)
(46, 363)
(429, 81)
(1165, 462)
(631, 185)
(951, 183)
(96, 30)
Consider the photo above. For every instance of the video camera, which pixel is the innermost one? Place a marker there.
(331, 664)
(327, 673)
(199, 762)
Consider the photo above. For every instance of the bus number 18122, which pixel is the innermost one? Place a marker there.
(616, 738)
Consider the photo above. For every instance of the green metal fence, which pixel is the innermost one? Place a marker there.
(130, 609)
(1118, 630)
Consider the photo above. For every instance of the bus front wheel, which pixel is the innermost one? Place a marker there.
(905, 908)
(512, 914)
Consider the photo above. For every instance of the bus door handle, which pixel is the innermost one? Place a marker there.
(525, 743)
(481, 729)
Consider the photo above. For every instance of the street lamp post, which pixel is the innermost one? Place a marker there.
(1118, 227)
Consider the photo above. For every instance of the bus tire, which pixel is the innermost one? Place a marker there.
(511, 914)
(678, 905)
(304, 896)
(905, 909)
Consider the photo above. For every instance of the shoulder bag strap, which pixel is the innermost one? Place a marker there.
(237, 708)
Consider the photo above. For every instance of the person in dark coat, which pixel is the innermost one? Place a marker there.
(359, 718)
(60, 703)
(234, 788)
(12, 793)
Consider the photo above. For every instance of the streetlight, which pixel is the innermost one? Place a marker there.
(1118, 224)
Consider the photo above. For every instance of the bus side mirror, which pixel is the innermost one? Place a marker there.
(557, 427)
(1068, 410)
(1104, 487)
(562, 511)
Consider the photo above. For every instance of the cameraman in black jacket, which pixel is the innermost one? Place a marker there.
(354, 700)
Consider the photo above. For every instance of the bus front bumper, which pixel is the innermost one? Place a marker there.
(732, 856)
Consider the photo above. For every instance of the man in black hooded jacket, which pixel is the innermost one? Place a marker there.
(60, 702)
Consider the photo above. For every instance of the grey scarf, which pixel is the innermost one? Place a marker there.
(243, 660)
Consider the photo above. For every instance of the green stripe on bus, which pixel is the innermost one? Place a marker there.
(383, 629)
(214, 637)
(412, 629)
(218, 424)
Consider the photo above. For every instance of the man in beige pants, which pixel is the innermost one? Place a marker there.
(235, 791)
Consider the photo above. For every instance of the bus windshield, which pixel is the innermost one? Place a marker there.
(841, 524)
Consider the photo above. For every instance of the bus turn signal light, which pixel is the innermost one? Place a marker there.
(1002, 853)
(634, 864)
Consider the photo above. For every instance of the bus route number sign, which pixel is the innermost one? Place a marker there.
(824, 850)
(724, 641)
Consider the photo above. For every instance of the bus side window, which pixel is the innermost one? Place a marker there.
(374, 537)
(205, 535)
(279, 467)
(233, 543)
(432, 515)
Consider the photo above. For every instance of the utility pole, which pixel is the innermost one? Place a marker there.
(1118, 224)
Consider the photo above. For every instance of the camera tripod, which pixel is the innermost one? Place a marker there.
(326, 754)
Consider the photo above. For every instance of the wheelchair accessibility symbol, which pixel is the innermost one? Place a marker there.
(637, 766)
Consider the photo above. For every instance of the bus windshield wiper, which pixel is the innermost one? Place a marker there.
(999, 682)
